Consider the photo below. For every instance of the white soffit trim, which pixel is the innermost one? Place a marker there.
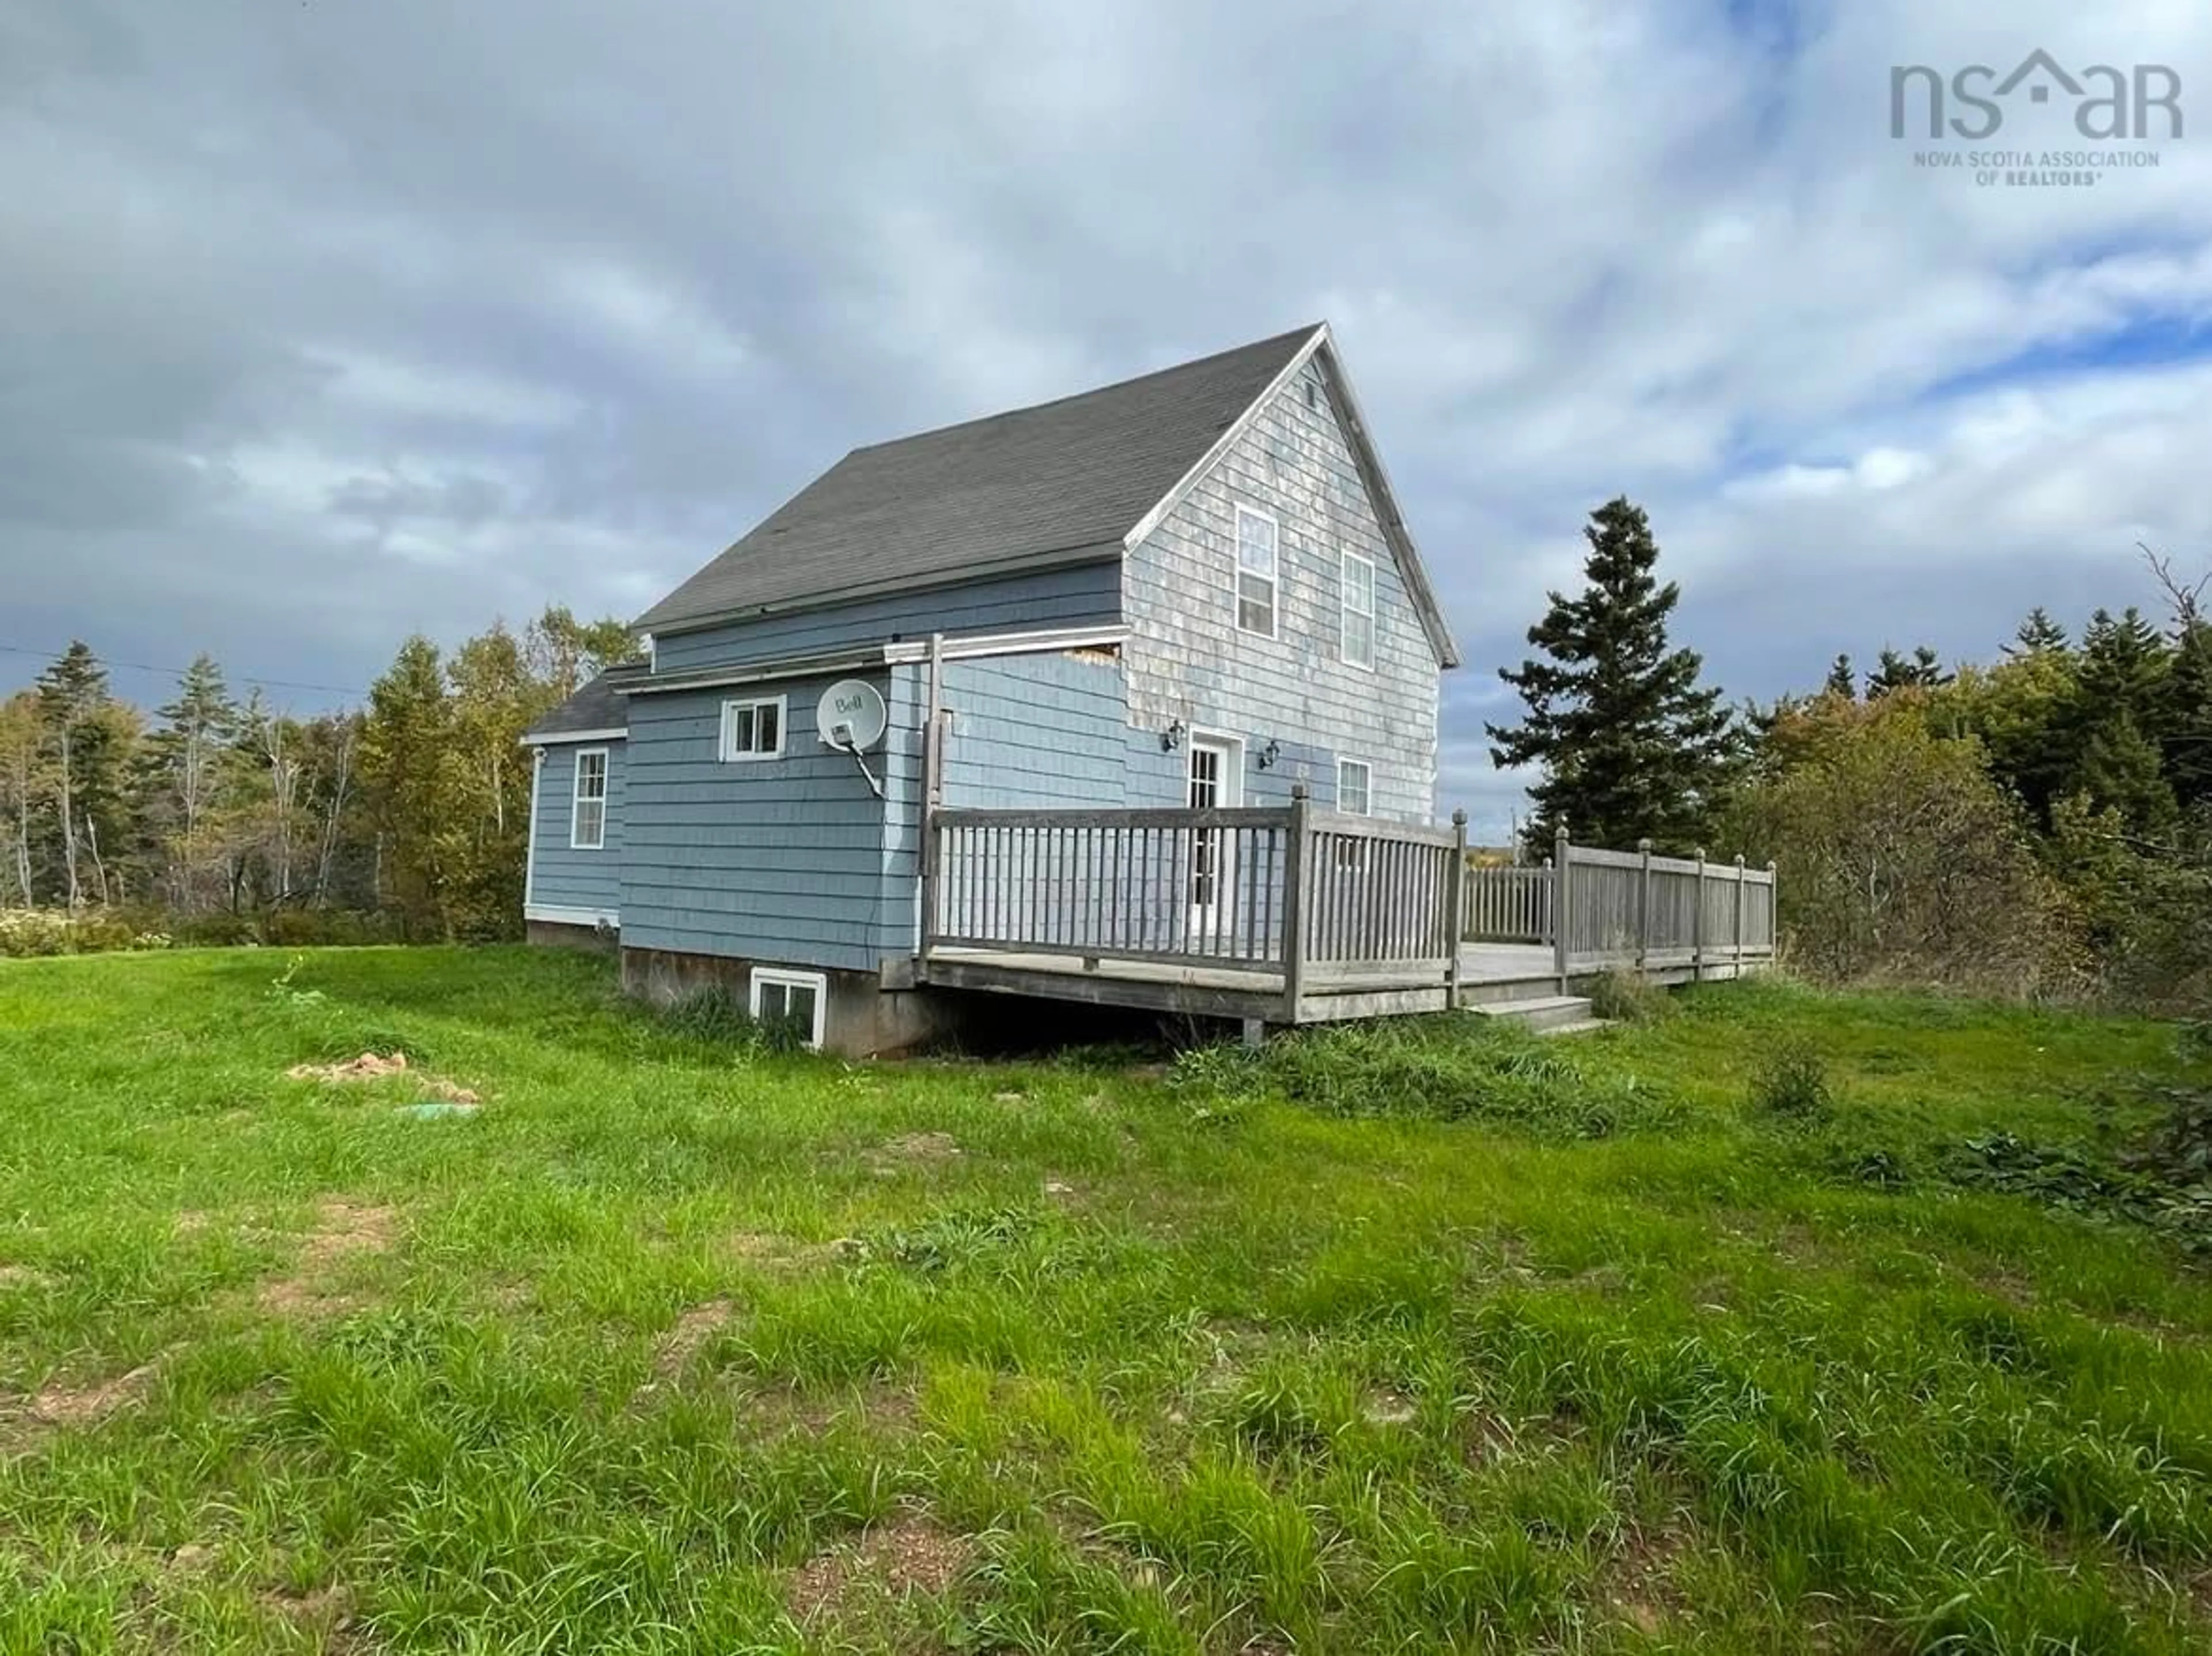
(552, 738)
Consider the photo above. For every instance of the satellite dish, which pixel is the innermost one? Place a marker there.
(850, 716)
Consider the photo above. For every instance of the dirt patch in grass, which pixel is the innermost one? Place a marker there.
(327, 1609)
(784, 1410)
(894, 1560)
(772, 1252)
(24, 1276)
(925, 1147)
(369, 1066)
(343, 1231)
(61, 1403)
(1636, 1583)
(1385, 1407)
(375, 1066)
(690, 1336)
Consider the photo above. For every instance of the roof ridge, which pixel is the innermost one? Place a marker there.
(1287, 335)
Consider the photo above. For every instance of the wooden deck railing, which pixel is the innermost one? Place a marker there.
(1296, 890)
(1596, 908)
(1315, 896)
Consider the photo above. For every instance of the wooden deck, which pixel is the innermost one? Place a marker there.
(1301, 916)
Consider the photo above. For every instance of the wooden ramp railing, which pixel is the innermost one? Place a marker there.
(1595, 908)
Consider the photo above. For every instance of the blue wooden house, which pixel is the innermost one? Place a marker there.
(1158, 665)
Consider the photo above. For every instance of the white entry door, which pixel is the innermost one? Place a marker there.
(1217, 783)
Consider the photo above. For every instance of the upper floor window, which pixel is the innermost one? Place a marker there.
(1256, 572)
(753, 730)
(587, 817)
(1359, 635)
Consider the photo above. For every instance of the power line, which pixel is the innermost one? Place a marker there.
(178, 672)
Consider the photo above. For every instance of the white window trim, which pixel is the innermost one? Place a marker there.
(1238, 573)
(1366, 765)
(818, 981)
(1344, 611)
(577, 801)
(782, 705)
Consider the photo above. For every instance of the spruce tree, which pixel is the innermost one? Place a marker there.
(1842, 681)
(2038, 634)
(1629, 744)
(185, 764)
(2189, 725)
(1922, 670)
(88, 736)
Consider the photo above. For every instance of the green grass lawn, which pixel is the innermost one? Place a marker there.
(676, 1346)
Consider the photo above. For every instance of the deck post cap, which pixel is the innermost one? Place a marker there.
(1297, 789)
(1739, 860)
(1459, 817)
(1643, 845)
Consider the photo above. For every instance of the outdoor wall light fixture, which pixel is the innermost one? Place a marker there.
(1171, 738)
(1267, 755)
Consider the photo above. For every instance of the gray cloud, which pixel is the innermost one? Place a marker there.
(321, 323)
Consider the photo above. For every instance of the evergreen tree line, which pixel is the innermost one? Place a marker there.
(217, 817)
(2040, 822)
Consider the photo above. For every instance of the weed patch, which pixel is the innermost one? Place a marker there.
(1452, 1068)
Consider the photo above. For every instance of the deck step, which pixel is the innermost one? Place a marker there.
(1580, 1026)
(1543, 1012)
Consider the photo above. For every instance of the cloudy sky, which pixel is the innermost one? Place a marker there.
(325, 322)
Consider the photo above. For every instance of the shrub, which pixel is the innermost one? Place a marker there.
(57, 931)
(1791, 1084)
(1622, 997)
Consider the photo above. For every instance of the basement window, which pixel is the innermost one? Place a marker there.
(797, 1000)
(587, 818)
(753, 730)
(1256, 572)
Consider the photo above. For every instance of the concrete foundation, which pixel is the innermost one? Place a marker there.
(562, 936)
(861, 1018)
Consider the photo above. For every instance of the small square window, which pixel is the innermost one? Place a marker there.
(1356, 640)
(753, 730)
(1256, 572)
(588, 819)
(791, 1000)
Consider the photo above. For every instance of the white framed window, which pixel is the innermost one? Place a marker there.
(797, 998)
(1357, 642)
(1355, 780)
(754, 729)
(588, 811)
(1256, 572)
(1355, 797)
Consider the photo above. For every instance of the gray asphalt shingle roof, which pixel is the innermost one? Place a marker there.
(599, 706)
(1061, 482)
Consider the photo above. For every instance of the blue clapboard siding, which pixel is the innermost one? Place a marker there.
(775, 859)
(1081, 596)
(561, 878)
(1188, 661)
(1036, 732)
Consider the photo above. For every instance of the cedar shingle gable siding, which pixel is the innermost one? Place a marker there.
(1188, 660)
